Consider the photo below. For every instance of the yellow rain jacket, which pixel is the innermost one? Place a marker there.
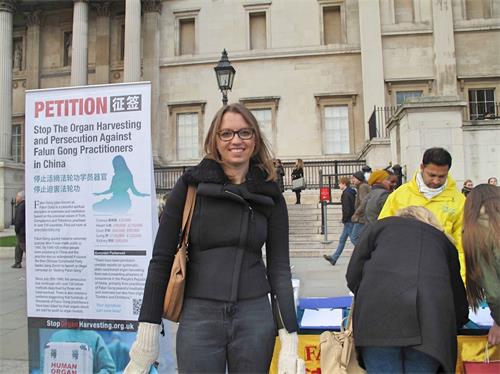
(448, 207)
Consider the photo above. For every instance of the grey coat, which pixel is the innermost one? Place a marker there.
(374, 203)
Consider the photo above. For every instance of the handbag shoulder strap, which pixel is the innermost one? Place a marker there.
(348, 346)
(187, 214)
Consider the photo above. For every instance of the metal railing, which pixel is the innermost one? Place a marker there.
(165, 177)
(312, 171)
(378, 121)
(482, 112)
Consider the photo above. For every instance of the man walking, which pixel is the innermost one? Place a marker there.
(19, 227)
(347, 200)
(358, 218)
(432, 188)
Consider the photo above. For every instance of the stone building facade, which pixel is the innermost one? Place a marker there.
(312, 71)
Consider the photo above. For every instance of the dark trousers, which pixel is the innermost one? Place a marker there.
(297, 195)
(20, 248)
(215, 334)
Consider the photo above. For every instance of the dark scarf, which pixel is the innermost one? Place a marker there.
(210, 171)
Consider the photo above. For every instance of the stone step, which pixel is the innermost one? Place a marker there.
(317, 244)
(313, 223)
(314, 237)
(315, 217)
(317, 253)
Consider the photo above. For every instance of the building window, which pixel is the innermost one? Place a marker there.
(336, 113)
(265, 119)
(186, 25)
(332, 25)
(258, 30)
(336, 129)
(16, 143)
(477, 9)
(265, 109)
(403, 96)
(186, 36)
(403, 11)
(187, 136)
(186, 129)
(482, 103)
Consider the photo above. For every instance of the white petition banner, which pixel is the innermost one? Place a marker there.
(89, 202)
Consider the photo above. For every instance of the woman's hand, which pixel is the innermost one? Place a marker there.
(145, 349)
(494, 334)
(289, 361)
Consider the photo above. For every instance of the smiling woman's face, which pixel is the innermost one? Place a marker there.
(235, 152)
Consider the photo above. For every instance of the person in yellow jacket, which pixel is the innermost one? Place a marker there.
(434, 189)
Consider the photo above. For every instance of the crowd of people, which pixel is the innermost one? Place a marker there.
(409, 298)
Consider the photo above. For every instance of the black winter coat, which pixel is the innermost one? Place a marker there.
(20, 219)
(347, 200)
(229, 227)
(408, 291)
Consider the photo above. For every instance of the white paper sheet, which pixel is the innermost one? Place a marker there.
(482, 316)
(323, 317)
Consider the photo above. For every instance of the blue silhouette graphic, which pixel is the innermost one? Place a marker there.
(122, 181)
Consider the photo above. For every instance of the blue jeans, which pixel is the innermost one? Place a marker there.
(215, 334)
(346, 232)
(398, 360)
(357, 230)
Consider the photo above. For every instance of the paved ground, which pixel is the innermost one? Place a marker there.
(317, 277)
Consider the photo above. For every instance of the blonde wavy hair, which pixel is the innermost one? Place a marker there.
(423, 215)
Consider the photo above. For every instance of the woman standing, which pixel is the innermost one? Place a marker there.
(409, 296)
(481, 241)
(468, 186)
(298, 172)
(226, 320)
(280, 173)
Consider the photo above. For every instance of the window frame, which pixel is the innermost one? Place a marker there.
(263, 103)
(343, 26)
(469, 102)
(341, 99)
(260, 7)
(412, 9)
(485, 10)
(179, 16)
(20, 136)
(406, 91)
(174, 110)
(394, 86)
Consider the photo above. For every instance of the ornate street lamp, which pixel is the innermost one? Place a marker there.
(225, 76)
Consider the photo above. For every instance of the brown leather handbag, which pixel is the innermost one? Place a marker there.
(174, 296)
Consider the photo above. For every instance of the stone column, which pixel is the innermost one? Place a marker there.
(33, 20)
(7, 177)
(102, 42)
(445, 64)
(372, 63)
(151, 10)
(132, 60)
(79, 43)
(6, 13)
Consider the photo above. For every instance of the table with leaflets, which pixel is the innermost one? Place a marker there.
(316, 315)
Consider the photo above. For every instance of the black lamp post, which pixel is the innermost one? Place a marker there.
(225, 76)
